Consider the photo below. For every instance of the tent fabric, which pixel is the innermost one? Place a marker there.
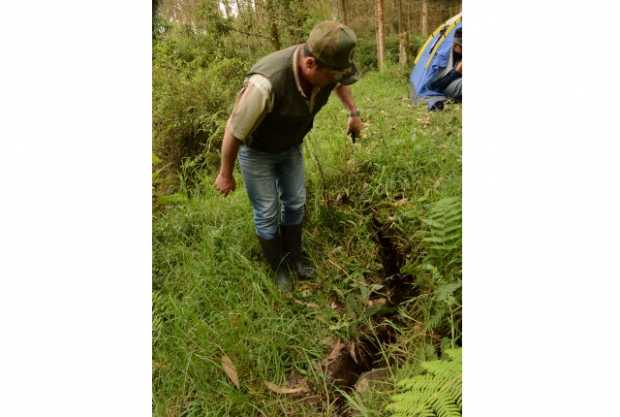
(433, 58)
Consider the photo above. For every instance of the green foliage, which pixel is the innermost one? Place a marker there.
(438, 270)
(405, 173)
(366, 54)
(197, 70)
(366, 51)
(194, 84)
(443, 236)
(392, 51)
(213, 296)
(211, 293)
(435, 393)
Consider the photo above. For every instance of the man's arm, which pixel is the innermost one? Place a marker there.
(354, 124)
(253, 102)
(225, 182)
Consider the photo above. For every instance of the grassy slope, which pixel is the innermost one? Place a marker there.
(211, 296)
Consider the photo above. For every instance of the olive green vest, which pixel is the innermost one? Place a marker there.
(291, 118)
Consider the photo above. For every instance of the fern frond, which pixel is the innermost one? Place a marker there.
(444, 226)
(437, 392)
(436, 319)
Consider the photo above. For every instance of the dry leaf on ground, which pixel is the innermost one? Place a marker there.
(309, 305)
(401, 202)
(230, 370)
(286, 390)
(335, 351)
(374, 375)
(351, 348)
(376, 302)
(425, 120)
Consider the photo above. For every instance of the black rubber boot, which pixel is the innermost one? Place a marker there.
(272, 251)
(291, 243)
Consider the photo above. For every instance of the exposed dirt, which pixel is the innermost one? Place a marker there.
(399, 286)
(350, 360)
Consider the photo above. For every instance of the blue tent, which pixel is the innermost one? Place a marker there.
(433, 58)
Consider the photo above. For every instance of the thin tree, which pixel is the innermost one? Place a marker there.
(227, 8)
(424, 18)
(409, 26)
(343, 8)
(154, 15)
(259, 10)
(403, 38)
(273, 24)
(380, 34)
(399, 10)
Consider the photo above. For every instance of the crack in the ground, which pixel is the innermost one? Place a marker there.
(366, 352)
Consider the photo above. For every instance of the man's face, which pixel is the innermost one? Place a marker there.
(458, 49)
(332, 75)
(322, 76)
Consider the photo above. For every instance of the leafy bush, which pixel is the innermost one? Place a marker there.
(193, 88)
(415, 43)
(437, 392)
(366, 54)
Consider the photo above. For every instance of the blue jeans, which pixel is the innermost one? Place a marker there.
(275, 185)
(454, 89)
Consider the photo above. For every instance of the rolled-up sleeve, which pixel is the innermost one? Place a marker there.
(252, 104)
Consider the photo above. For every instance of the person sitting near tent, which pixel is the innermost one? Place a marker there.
(449, 81)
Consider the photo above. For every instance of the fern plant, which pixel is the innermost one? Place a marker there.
(438, 271)
(435, 393)
(443, 237)
(441, 241)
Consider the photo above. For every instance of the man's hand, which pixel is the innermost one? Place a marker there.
(459, 67)
(354, 126)
(225, 184)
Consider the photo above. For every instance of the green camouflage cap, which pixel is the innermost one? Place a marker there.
(332, 44)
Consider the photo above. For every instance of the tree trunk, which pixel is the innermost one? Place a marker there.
(399, 10)
(275, 34)
(403, 41)
(227, 8)
(409, 27)
(424, 18)
(380, 35)
(343, 8)
(335, 9)
(259, 13)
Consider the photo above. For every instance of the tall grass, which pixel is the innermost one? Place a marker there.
(212, 296)
(194, 83)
